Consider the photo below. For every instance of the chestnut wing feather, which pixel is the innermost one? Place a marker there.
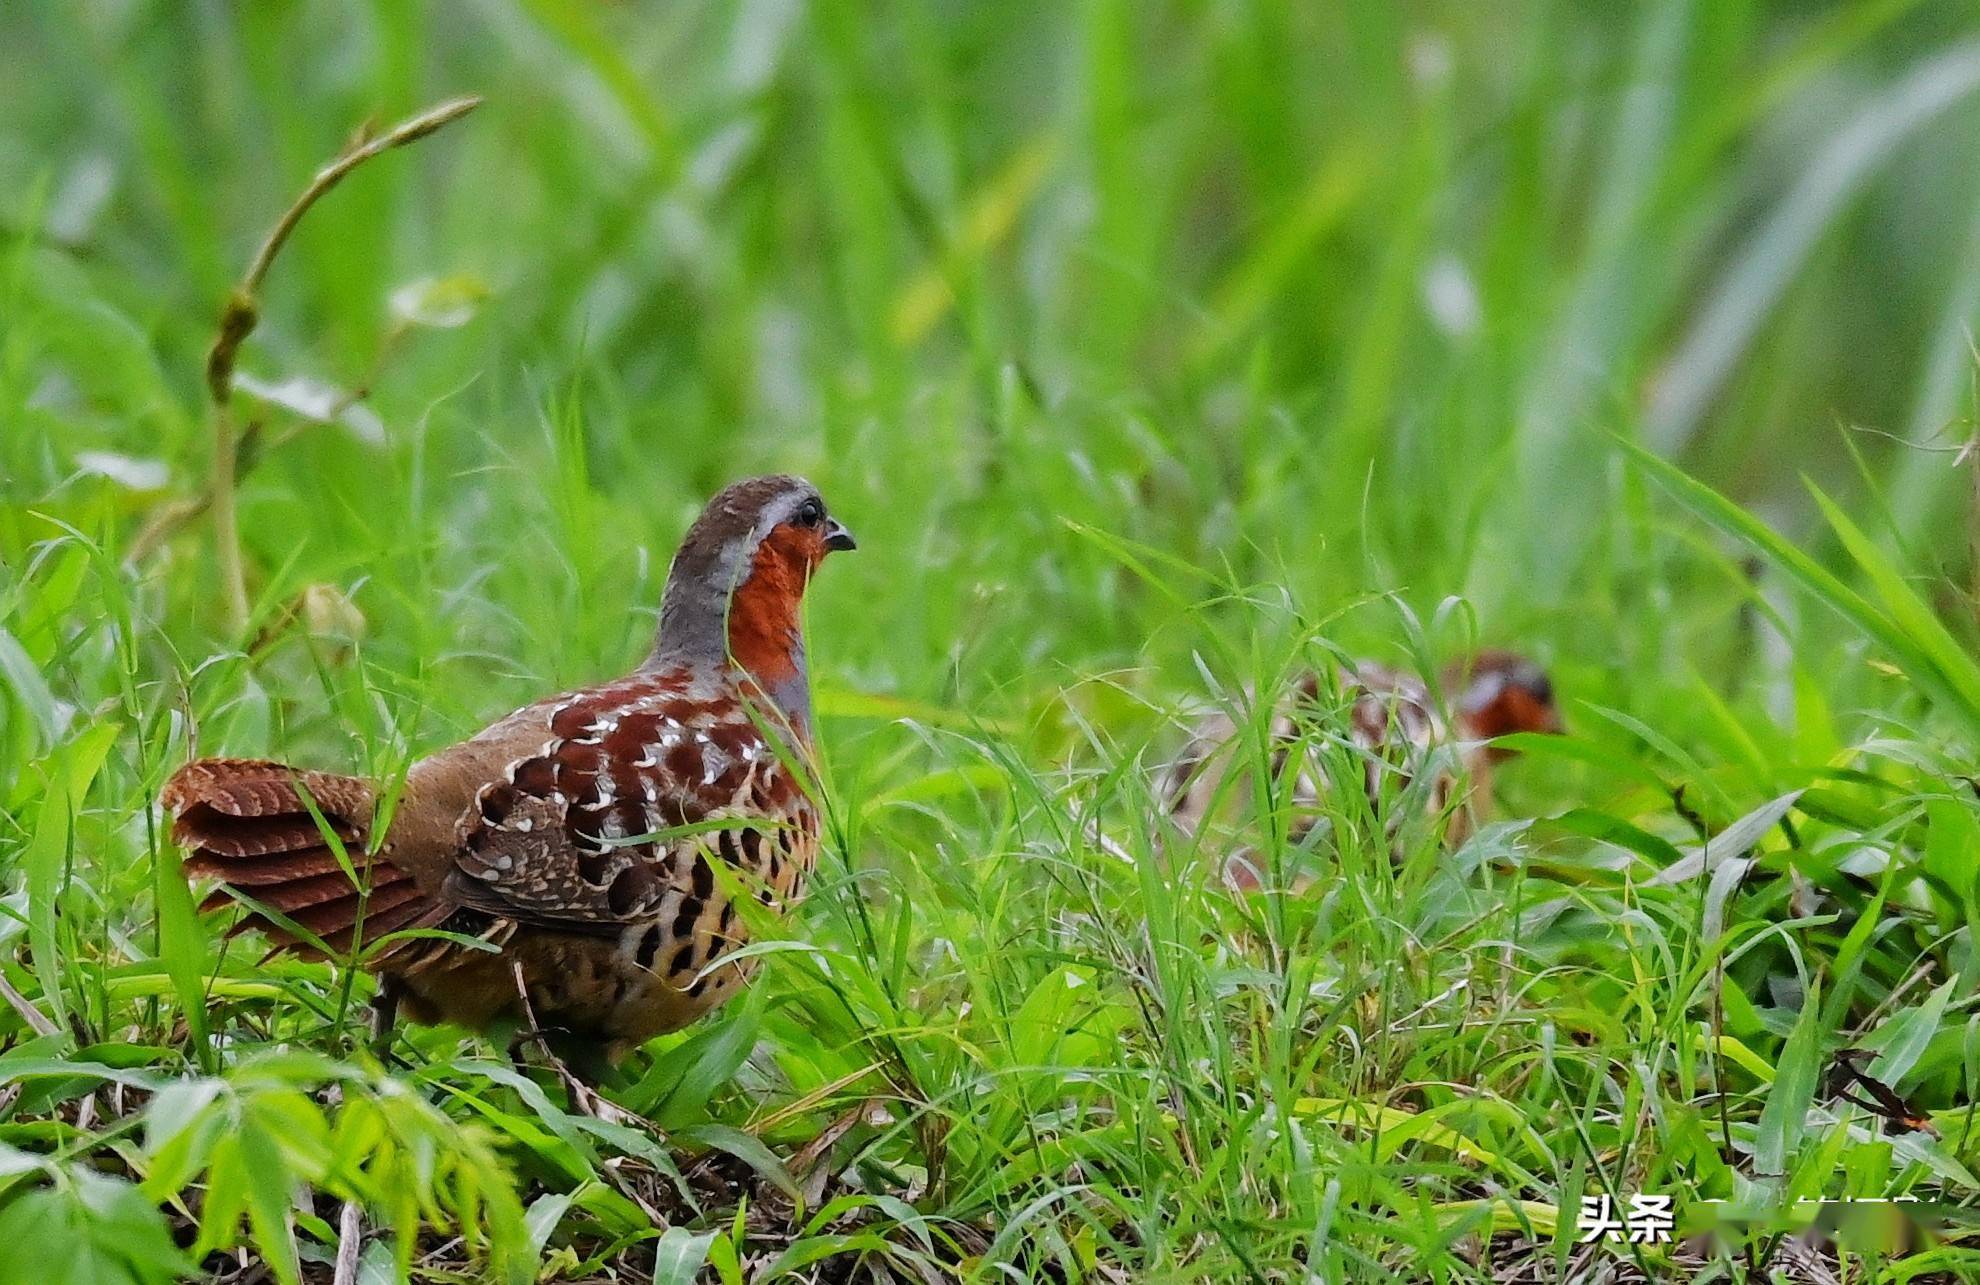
(632, 795)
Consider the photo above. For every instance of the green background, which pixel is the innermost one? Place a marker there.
(1153, 351)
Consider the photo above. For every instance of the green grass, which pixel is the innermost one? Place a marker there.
(1153, 351)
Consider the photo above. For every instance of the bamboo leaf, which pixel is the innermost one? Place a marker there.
(678, 1256)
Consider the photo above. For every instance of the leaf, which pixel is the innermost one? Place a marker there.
(182, 945)
(1784, 1117)
(843, 702)
(706, 1063)
(269, 1209)
(1716, 510)
(1725, 881)
(1745, 1058)
(328, 612)
(175, 1106)
(991, 213)
(40, 618)
(1918, 1148)
(746, 1147)
(1733, 842)
(1908, 612)
(817, 1249)
(1907, 1035)
(946, 783)
(1765, 266)
(533, 1096)
(128, 1226)
(1580, 749)
(90, 1228)
(15, 1162)
(758, 949)
(545, 1212)
(20, 675)
(1612, 829)
(47, 865)
(38, 1068)
(1952, 836)
(1397, 1127)
(678, 1256)
(1280, 249)
(1525, 1217)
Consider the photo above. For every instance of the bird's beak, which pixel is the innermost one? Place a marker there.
(837, 538)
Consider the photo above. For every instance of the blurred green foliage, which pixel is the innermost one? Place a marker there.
(1153, 350)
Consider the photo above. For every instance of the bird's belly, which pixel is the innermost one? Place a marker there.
(645, 981)
(577, 985)
(620, 983)
(596, 986)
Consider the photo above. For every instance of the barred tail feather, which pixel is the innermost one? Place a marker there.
(248, 826)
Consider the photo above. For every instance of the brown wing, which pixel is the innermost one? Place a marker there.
(616, 819)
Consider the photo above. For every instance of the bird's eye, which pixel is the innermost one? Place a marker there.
(810, 513)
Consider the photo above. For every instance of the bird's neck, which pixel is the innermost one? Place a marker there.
(766, 639)
(754, 632)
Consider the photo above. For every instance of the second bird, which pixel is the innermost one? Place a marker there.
(1393, 730)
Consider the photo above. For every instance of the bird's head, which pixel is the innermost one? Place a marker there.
(738, 580)
(1495, 693)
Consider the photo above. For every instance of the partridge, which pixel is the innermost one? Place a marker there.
(1394, 726)
(581, 836)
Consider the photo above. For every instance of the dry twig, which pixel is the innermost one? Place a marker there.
(350, 1243)
(583, 1096)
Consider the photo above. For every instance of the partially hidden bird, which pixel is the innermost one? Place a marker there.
(580, 836)
(1391, 722)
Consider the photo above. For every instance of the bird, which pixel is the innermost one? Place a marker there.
(1393, 725)
(579, 839)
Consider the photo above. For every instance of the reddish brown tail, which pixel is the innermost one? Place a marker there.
(247, 825)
